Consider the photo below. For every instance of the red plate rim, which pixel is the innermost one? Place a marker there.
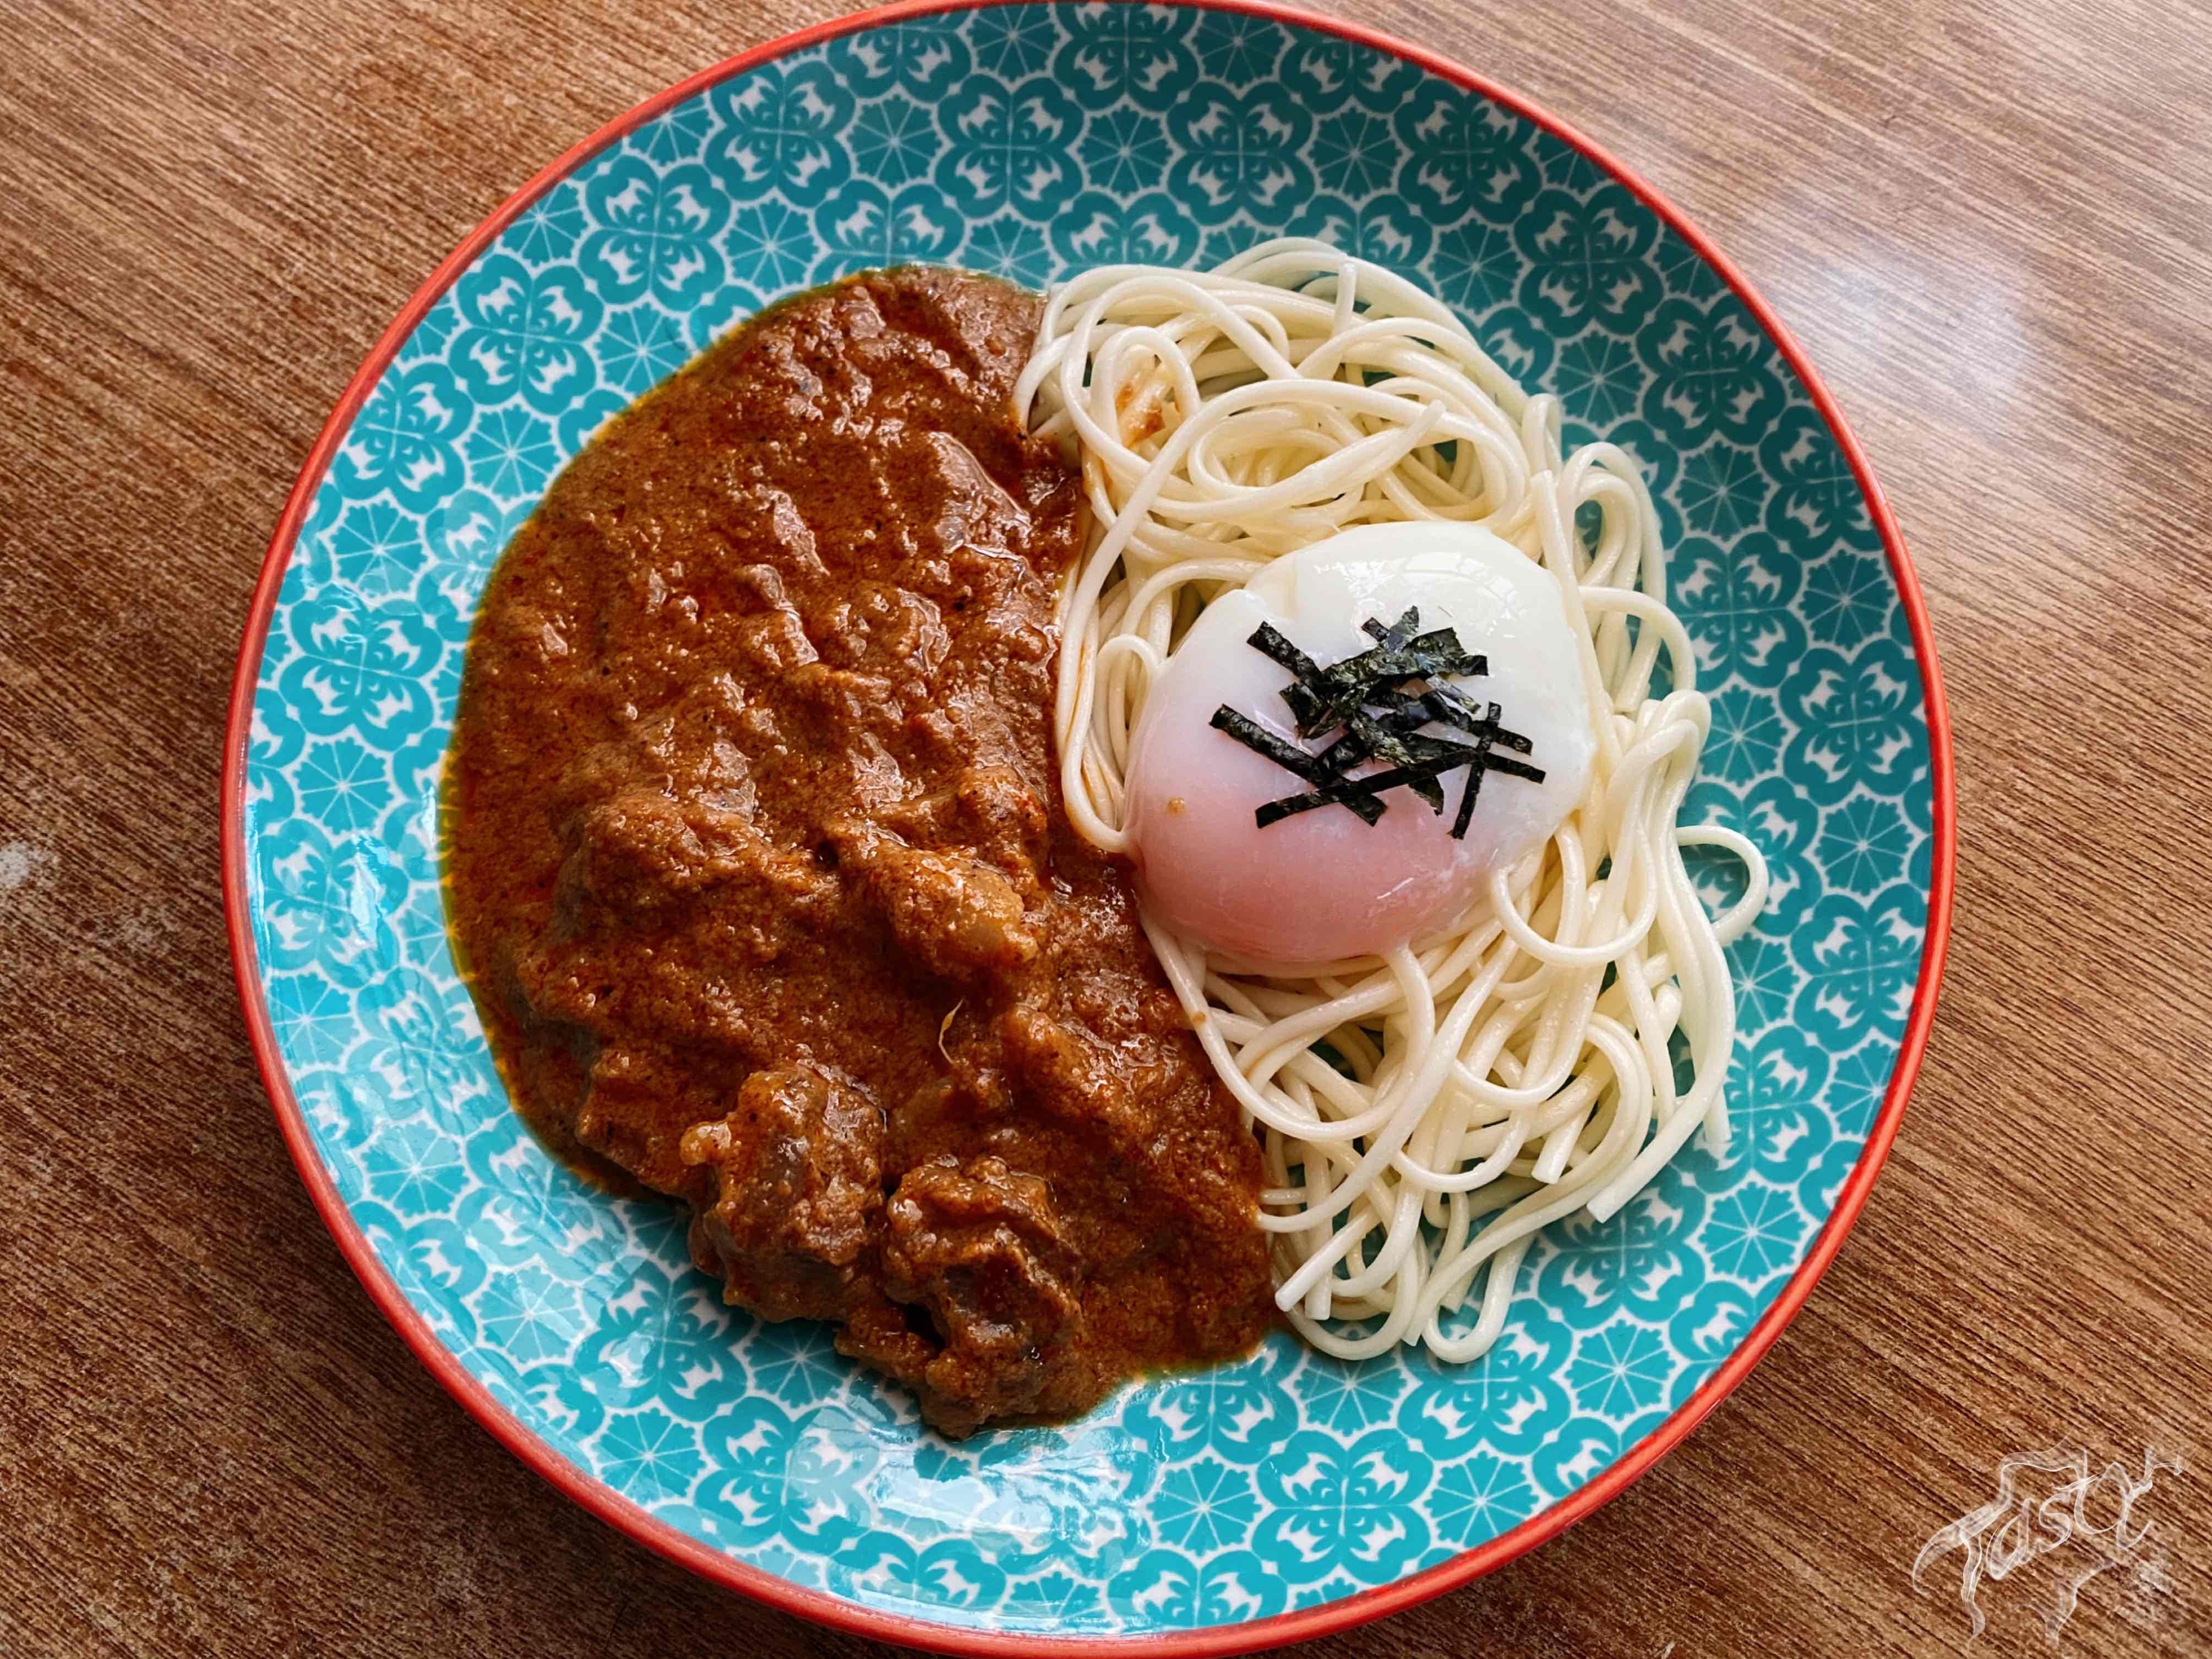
(819, 1606)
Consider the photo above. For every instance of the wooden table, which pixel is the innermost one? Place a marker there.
(1991, 226)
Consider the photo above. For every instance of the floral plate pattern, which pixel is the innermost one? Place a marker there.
(1030, 140)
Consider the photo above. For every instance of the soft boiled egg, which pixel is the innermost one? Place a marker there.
(1323, 884)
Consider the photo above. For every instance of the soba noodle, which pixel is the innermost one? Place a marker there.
(1426, 1113)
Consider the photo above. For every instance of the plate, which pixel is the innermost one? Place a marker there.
(1223, 1509)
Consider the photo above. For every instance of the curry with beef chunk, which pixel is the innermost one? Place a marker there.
(758, 866)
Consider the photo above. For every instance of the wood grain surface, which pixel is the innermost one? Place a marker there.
(1990, 225)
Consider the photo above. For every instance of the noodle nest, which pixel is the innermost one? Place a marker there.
(1426, 1113)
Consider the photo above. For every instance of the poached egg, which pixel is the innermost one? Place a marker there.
(1322, 884)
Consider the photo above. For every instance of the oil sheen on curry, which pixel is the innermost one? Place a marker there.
(758, 865)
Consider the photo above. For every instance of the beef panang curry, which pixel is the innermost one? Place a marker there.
(758, 869)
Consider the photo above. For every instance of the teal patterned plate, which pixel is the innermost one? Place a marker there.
(1221, 1511)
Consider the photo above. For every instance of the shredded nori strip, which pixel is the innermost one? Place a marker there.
(1451, 706)
(1288, 756)
(1323, 698)
(1268, 642)
(1380, 700)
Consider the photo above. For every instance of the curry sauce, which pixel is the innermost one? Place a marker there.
(758, 866)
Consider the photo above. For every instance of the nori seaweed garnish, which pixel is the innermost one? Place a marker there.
(1380, 700)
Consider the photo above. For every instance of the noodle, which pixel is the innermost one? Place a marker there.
(1426, 1113)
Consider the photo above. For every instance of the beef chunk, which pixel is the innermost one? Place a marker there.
(992, 810)
(979, 1247)
(796, 1173)
(641, 859)
(956, 916)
